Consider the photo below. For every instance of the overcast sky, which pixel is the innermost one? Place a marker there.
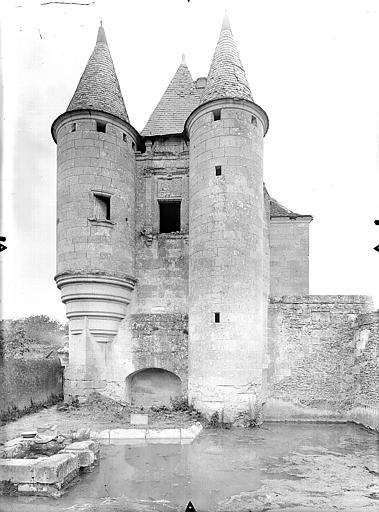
(313, 65)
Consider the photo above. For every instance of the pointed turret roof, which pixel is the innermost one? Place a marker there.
(179, 100)
(226, 77)
(98, 88)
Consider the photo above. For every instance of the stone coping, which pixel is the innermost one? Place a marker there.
(150, 434)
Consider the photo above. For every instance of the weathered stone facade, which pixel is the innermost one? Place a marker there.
(169, 247)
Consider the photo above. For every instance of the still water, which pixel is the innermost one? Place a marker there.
(287, 465)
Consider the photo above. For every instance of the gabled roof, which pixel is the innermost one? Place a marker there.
(278, 210)
(179, 100)
(226, 77)
(98, 88)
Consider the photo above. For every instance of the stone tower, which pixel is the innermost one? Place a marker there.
(95, 215)
(226, 247)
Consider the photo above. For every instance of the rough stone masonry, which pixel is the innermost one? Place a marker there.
(179, 272)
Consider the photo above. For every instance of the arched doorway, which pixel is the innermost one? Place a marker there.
(152, 386)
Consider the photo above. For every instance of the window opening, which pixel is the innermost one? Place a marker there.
(100, 126)
(217, 318)
(133, 146)
(217, 115)
(169, 216)
(124, 137)
(102, 207)
(218, 170)
(254, 120)
(73, 127)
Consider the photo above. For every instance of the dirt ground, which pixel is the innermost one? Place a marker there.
(98, 413)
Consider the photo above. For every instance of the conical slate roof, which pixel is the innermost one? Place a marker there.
(179, 100)
(98, 88)
(226, 77)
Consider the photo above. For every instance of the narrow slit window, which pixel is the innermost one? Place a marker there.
(217, 115)
(73, 127)
(102, 207)
(217, 318)
(133, 146)
(124, 137)
(101, 126)
(254, 120)
(169, 216)
(218, 170)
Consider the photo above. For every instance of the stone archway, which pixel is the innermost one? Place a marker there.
(152, 386)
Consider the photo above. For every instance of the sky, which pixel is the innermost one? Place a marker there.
(313, 65)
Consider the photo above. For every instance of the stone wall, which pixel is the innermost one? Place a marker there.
(289, 256)
(161, 341)
(31, 380)
(313, 361)
(365, 344)
(161, 259)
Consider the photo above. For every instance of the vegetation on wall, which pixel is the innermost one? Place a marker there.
(31, 337)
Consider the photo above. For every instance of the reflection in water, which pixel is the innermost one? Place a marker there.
(217, 465)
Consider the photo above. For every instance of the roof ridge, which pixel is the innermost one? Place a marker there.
(98, 87)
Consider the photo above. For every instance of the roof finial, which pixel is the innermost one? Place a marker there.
(101, 34)
(183, 63)
(101, 21)
(225, 22)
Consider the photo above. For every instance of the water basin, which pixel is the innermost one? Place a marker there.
(318, 466)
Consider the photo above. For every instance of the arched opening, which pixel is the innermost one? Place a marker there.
(152, 386)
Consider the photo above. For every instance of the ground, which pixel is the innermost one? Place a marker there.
(98, 413)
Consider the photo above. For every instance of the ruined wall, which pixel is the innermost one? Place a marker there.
(31, 380)
(289, 256)
(311, 355)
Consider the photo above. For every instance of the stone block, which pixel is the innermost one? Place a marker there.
(139, 419)
(56, 468)
(127, 433)
(18, 470)
(87, 451)
(166, 433)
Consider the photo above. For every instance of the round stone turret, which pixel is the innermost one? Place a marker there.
(95, 212)
(226, 324)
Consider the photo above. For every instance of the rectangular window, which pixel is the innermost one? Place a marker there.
(216, 115)
(102, 207)
(169, 216)
(101, 126)
(218, 170)
(217, 318)
(254, 120)
(73, 127)
(124, 137)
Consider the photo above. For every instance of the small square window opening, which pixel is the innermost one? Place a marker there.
(254, 120)
(169, 216)
(101, 126)
(218, 170)
(216, 115)
(217, 318)
(102, 207)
